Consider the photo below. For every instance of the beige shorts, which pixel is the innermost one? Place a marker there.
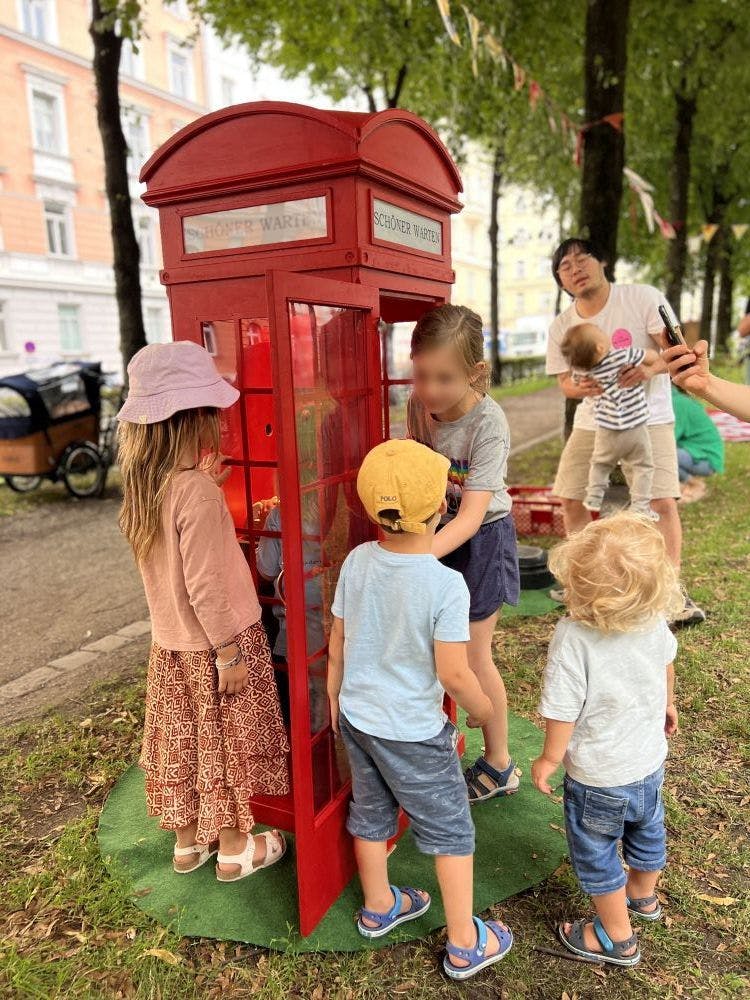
(575, 462)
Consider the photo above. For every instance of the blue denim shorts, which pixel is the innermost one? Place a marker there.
(488, 562)
(597, 820)
(424, 779)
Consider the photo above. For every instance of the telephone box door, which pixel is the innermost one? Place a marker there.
(325, 351)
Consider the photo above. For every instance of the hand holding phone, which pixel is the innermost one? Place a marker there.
(672, 327)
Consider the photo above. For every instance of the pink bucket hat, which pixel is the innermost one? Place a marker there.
(166, 378)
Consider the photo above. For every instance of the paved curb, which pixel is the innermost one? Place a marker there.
(83, 657)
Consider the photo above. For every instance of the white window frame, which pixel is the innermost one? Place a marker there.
(75, 309)
(144, 231)
(175, 48)
(5, 345)
(50, 34)
(54, 92)
(520, 269)
(135, 120)
(177, 8)
(228, 91)
(520, 302)
(150, 313)
(58, 214)
(135, 66)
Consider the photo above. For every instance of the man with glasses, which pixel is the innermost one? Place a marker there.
(629, 315)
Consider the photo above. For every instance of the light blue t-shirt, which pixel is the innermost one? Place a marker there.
(394, 606)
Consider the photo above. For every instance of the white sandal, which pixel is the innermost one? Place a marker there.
(203, 851)
(275, 851)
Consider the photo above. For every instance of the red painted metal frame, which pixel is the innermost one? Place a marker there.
(321, 835)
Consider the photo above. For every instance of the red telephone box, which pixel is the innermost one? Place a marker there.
(292, 237)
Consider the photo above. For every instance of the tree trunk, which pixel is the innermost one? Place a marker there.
(709, 284)
(605, 64)
(494, 230)
(126, 254)
(724, 323)
(679, 188)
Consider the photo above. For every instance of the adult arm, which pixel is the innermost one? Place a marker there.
(689, 369)
(743, 327)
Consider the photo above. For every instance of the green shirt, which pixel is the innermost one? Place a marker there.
(696, 432)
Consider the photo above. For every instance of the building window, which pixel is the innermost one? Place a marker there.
(70, 329)
(4, 343)
(520, 302)
(227, 91)
(178, 8)
(520, 268)
(135, 129)
(180, 75)
(36, 19)
(145, 235)
(154, 323)
(131, 62)
(58, 227)
(46, 121)
(521, 203)
(544, 267)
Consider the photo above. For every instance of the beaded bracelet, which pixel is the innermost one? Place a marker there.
(223, 645)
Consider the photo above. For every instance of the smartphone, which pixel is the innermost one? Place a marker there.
(675, 336)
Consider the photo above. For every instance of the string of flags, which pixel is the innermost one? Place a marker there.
(571, 133)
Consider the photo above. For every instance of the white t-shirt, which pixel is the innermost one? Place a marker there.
(614, 687)
(630, 318)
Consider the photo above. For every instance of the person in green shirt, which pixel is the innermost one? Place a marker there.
(700, 450)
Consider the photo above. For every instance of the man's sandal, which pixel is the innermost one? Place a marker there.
(612, 951)
(505, 782)
(275, 851)
(386, 922)
(477, 956)
(202, 851)
(636, 908)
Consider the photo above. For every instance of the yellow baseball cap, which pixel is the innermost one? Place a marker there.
(406, 477)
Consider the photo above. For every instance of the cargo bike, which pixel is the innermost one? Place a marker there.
(53, 425)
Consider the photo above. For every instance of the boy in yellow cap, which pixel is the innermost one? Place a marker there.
(398, 642)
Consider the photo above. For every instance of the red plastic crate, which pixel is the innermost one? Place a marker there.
(536, 512)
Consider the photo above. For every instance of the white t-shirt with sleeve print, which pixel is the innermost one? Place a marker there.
(630, 318)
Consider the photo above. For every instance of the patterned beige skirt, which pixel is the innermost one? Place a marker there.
(206, 755)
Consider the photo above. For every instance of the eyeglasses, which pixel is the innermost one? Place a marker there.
(571, 263)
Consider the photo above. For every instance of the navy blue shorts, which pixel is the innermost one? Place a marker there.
(489, 564)
(424, 778)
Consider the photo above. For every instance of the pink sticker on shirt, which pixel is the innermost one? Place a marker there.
(621, 339)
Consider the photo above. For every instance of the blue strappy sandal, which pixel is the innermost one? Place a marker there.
(387, 921)
(477, 956)
(612, 951)
(506, 782)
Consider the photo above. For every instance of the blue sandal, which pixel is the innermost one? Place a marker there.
(612, 951)
(505, 782)
(387, 921)
(477, 956)
(635, 908)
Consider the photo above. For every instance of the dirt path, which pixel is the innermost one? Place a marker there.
(69, 581)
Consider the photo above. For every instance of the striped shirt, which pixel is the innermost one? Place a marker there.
(618, 409)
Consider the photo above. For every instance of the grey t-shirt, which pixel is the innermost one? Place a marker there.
(394, 606)
(614, 687)
(477, 447)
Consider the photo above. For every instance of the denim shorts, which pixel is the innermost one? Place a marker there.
(597, 820)
(424, 779)
(488, 562)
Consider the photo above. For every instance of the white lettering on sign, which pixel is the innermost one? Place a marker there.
(256, 225)
(404, 228)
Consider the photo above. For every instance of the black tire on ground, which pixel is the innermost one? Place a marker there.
(83, 470)
(536, 579)
(23, 484)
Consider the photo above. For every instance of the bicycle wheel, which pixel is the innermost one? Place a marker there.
(23, 484)
(83, 471)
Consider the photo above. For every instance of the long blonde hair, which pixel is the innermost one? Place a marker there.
(459, 327)
(616, 574)
(149, 456)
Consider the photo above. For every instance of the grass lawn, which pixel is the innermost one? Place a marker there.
(71, 930)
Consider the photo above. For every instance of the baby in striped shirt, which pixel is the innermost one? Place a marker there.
(621, 414)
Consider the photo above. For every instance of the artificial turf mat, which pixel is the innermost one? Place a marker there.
(531, 603)
(519, 842)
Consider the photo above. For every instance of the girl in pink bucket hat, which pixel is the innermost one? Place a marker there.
(214, 736)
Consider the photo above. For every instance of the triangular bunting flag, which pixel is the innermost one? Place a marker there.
(519, 77)
(535, 92)
(709, 231)
(474, 29)
(694, 243)
(445, 12)
(739, 229)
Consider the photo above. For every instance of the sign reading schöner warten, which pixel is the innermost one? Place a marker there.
(394, 224)
(256, 225)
